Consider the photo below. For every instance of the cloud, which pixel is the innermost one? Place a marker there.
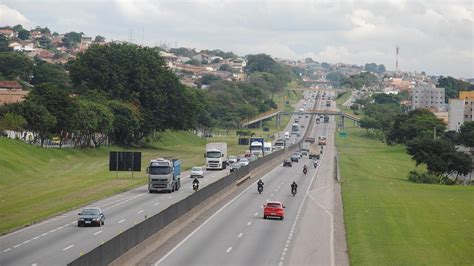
(11, 17)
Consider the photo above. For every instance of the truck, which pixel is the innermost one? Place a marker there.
(256, 146)
(287, 135)
(164, 175)
(326, 119)
(328, 103)
(267, 148)
(314, 151)
(216, 155)
(279, 145)
(310, 140)
(295, 129)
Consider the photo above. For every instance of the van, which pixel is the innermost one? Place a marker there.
(287, 135)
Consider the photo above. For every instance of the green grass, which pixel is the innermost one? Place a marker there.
(36, 182)
(390, 220)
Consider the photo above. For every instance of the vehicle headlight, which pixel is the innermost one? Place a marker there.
(96, 219)
(81, 219)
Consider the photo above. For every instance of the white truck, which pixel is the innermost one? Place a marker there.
(164, 175)
(216, 155)
(267, 148)
(256, 148)
(279, 145)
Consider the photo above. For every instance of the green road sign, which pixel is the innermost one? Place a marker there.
(343, 134)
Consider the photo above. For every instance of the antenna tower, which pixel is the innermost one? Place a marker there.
(397, 50)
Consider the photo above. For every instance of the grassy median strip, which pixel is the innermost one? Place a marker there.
(390, 220)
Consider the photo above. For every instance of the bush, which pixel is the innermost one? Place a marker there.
(424, 177)
(244, 133)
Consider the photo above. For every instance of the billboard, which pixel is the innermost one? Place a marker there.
(125, 161)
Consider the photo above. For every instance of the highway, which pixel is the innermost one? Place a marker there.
(237, 234)
(58, 240)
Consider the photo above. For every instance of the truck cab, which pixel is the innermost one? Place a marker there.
(216, 156)
(164, 175)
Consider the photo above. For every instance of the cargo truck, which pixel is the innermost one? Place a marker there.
(267, 148)
(279, 145)
(164, 175)
(256, 146)
(216, 155)
(314, 151)
(322, 140)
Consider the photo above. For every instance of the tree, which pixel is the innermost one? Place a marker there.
(226, 67)
(336, 78)
(415, 124)
(381, 69)
(208, 79)
(440, 156)
(44, 42)
(126, 123)
(99, 38)
(45, 72)
(12, 121)
(466, 134)
(23, 35)
(452, 86)
(15, 65)
(260, 63)
(71, 39)
(95, 123)
(193, 62)
(18, 28)
(382, 98)
(4, 44)
(39, 120)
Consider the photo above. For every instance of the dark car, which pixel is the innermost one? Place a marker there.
(91, 216)
(295, 158)
(287, 163)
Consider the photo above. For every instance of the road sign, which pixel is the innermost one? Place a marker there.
(343, 134)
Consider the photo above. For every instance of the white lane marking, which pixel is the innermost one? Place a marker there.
(68, 247)
(52, 231)
(169, 197)
(249, 223)
(140, 211)
(34, 264)
(43, 234)
(229, 249)
(26, 241)
(240, 235)
(98, 232)
(121, 221)
(73, 222)
(181, 191)
(156, 203)
(8, 249)
(205, 222)
(36, 237)
(256, 214)
(271, 195)
(15, 246)
(59, 228)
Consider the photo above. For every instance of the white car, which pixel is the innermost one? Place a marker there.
(197, 172)
(244, 161)
(233, 159)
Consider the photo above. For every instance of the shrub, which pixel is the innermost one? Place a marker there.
(424, 177)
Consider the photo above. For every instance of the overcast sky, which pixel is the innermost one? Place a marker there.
(433, 36)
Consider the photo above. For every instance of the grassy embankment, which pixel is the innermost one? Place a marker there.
(390, 220)
(36, 183)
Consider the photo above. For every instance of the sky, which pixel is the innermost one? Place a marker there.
(434, 36)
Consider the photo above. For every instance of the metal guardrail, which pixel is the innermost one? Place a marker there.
(338, 172)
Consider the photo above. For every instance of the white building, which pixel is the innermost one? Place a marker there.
(428, 96)
(460, 111)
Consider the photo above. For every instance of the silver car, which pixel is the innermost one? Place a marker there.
(197, 172)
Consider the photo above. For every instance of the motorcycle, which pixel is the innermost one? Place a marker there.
(305, 171)
(315, 164)
(195, 186)
(260, 189)
(293, 191)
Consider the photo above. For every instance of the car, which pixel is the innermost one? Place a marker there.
(299, 154)
(233, 159)
(294, 158)
(244, 161)
(91, 216)
(304, 152)
(235, 166)
(274, 209)
(287, 163)
(197, 171)
(252, 158)
(306, 116)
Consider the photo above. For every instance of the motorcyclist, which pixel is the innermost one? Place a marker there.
(305, 169)
(315, 163)
(195, 182)
(260, 183)
(294, 186)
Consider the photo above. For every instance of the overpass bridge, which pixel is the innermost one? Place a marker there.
(260, 118)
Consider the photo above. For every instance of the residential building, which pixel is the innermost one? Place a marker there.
(461, 110)
(238, 64)
(85, 43)
(11, 92)
(8, 33)
(428, 96)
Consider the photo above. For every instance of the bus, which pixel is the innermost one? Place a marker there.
(295, 129)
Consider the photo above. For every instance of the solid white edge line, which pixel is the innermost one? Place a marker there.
(68, 247)
(205, 222)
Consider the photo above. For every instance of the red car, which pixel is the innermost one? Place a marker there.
(273, 209)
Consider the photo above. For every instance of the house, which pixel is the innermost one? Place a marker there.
(85, 43)
(36, 34)
(201, 57)
(44, 54)
(9, 33)
(238, 64)
(11, 92)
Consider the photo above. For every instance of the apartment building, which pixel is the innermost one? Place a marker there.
(428, 96)
(461, 110)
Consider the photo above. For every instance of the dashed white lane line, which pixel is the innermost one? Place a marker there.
(121, 221)
(256, 214)
(156, 203)
(140, 211)
(43, 234)
(34, 264)
(59, 228)
(98, 232)
(240, 235)
(26, 241)
(15, 246)
(54, 230)
(249, 223)
(229, 249)
(8, 249)
(169, 197)
(68, 247)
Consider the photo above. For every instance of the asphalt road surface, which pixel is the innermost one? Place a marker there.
(58, 240)
(237, 234)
